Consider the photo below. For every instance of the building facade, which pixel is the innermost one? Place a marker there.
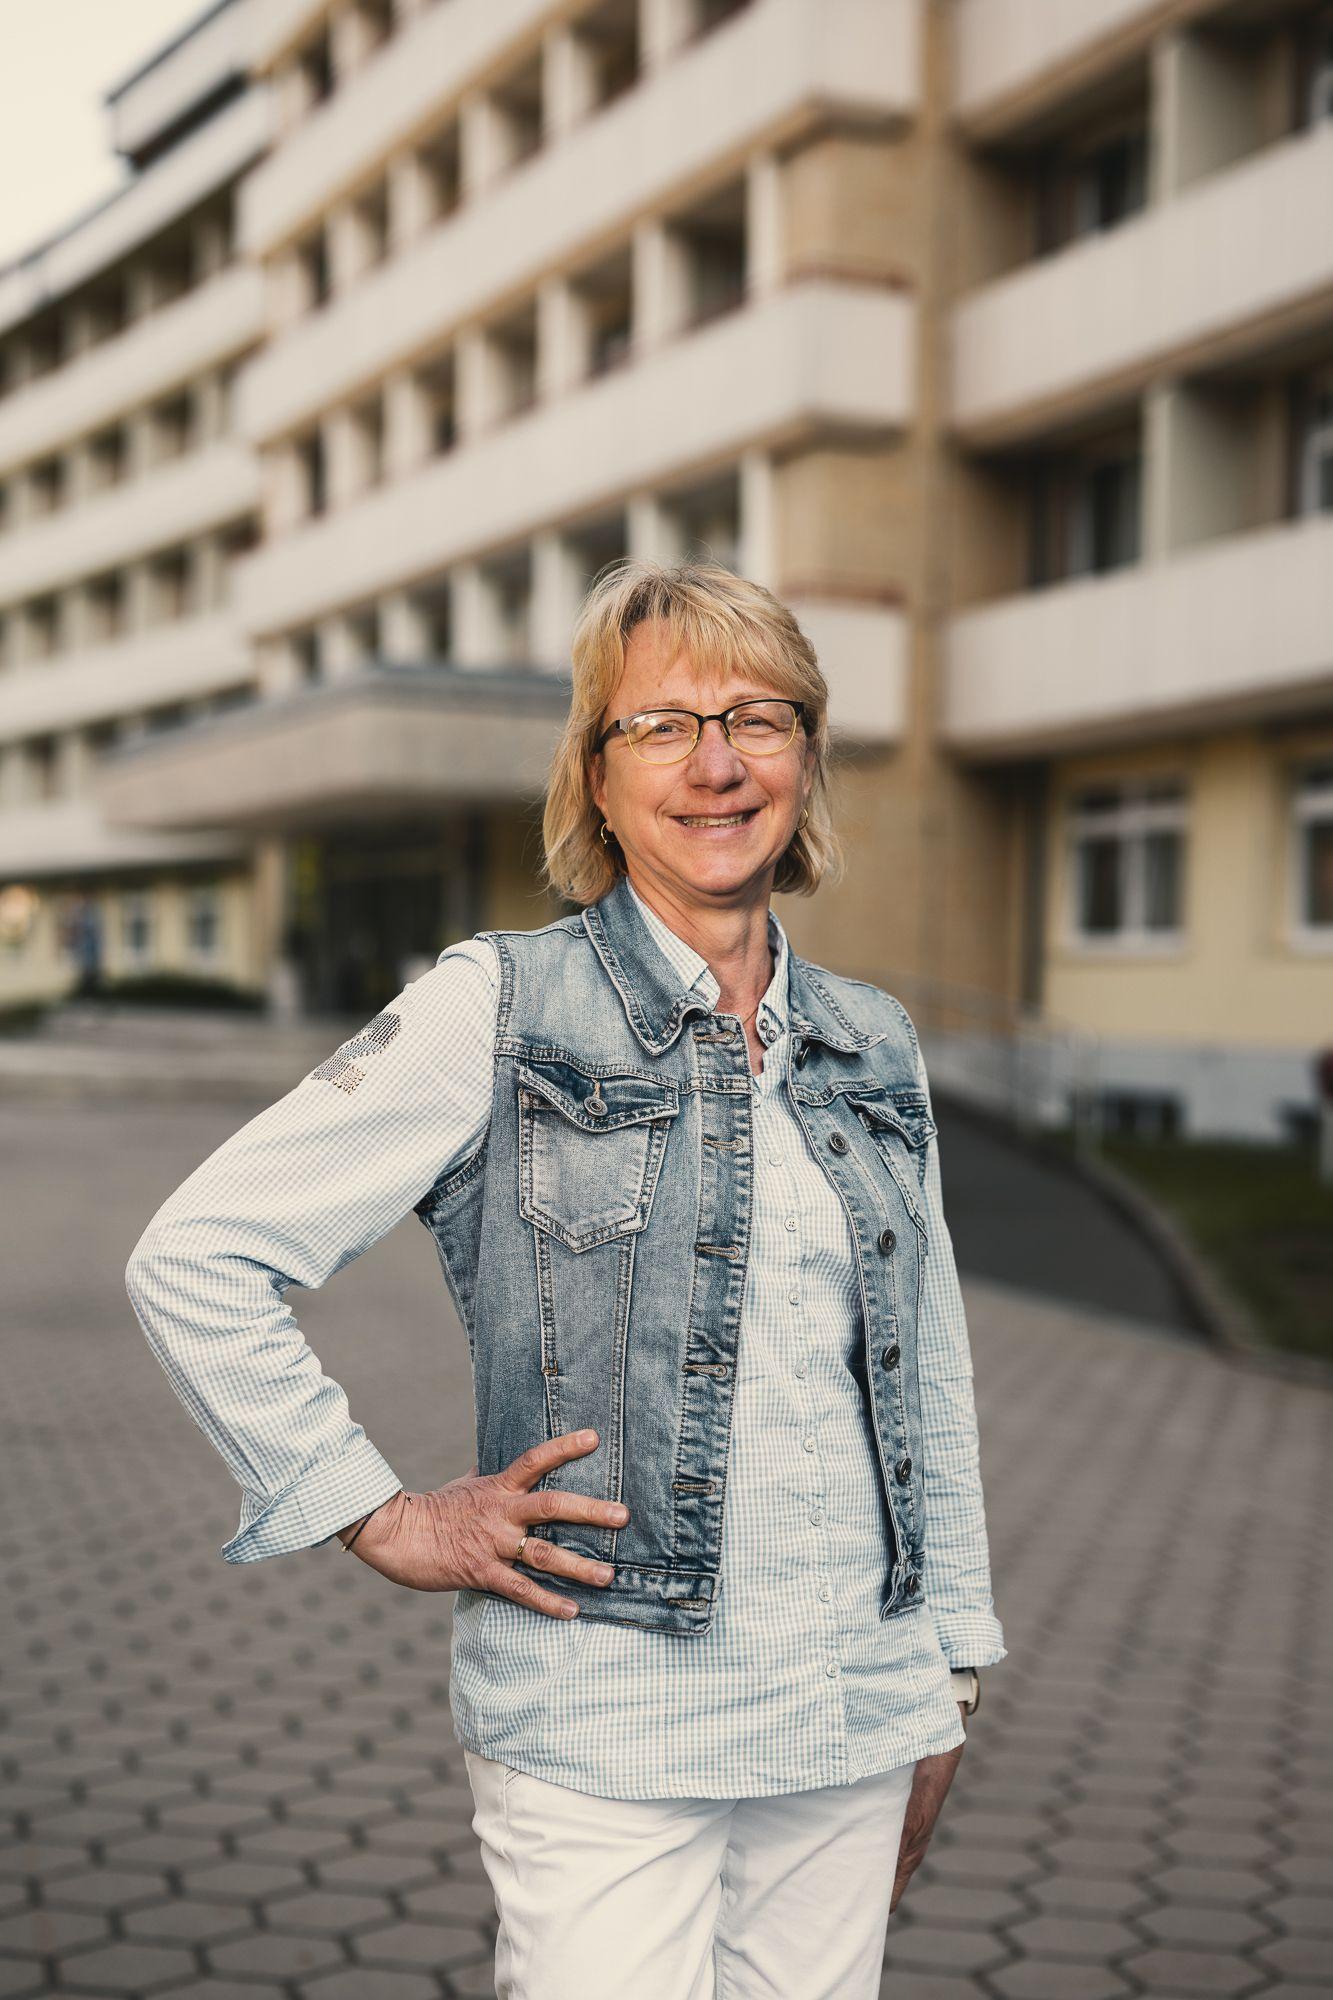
(995, 336)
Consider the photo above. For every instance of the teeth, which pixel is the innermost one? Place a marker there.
(734, 820)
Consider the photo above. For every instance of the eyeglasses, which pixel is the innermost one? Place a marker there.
(665, 735)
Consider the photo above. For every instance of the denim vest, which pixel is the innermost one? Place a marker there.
(595, 1244)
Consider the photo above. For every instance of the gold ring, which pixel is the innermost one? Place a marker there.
(518, 1552)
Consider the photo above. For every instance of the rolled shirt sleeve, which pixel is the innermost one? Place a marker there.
(290, 1199)
(956, 1569)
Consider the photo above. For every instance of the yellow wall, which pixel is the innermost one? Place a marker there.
(1237, 976)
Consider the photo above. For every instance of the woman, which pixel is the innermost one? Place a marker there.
(721, 1566)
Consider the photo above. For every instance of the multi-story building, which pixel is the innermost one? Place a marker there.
(126, 498)
(993, 334)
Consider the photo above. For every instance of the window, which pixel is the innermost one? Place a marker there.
(1126, 851)
(1087, 184)
(203, 921)
(1313, 840)
(1086, 510)
(1314, 469)
(1319, 70)
(136, 926)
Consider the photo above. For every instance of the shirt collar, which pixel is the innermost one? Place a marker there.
(695, 970)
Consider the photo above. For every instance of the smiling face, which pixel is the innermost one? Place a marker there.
(648, 806)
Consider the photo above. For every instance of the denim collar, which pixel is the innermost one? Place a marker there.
(657, 997)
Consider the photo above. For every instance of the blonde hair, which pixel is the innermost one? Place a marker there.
(728, 626)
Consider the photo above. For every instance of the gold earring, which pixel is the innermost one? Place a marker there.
(605, 829)
(802, 820)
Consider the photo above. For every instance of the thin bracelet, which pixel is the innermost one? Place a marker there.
(361, 1524)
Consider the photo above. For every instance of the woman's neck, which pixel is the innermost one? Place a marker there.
(733, 942)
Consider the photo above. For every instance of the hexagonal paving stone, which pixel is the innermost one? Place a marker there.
(1205, 1925)
(44, 1932)
(1312, 1915)
(104, 1889)
(423, 1947)
(364, 1870)
(332, 1912)
(125, 1965)
(237, 1880)
(210, 1987)
(277, 1954)
(1057, 1979)
(21, 1977)
(188, 1920)
(457, 1901)
(963, 1905)
(352, 1985)
(1094, 1938)
(1167, 1971)
(922, 1948)
(1299, 1958)
(1087, 1895)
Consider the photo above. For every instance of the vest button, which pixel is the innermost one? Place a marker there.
(802, 1052)
(595, 1107)
(891, 1355)
(903, 1469)
(911, 1585)
(836, 1143)
(887, 1239)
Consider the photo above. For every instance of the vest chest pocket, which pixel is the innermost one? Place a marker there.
(902, 1129)
(590, 1149)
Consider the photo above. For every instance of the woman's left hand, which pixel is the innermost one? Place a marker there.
(933, 1777)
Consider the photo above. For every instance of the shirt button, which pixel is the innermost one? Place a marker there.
(832, 1669)
(800, 1371)
(790, 1222)
(793, 1298)
(775, 1159)
(817, 1516)
(807, 1444)
(825, 1593)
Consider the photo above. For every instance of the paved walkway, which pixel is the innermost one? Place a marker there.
(224, 1781)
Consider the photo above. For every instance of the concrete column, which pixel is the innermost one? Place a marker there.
(11, 777)
(485, 145)
(480, 383)
(276, 669)
(569, 81)
(763, 225)
(1205, 108)
(1202, 451)
(557, 588)
(211, 408)
(282, 501)
(479, 635)
(79, 625)
(284, 291)
(349, 246)
(758, 508)
(138, 598)
(407, 431)
(140, 444)
(664, 25)
(140, 291)
(403, 630)
(211, 580)
(269, 903)
(651, 532)
(351, 41)
(660, 282)
(73, 764)
(562, 338)
(340, 651)
(79, 473)
(410, 202)
(346, 458)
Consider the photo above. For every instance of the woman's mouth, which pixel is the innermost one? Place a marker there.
(714, 822)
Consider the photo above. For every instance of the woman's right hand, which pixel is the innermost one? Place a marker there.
(463, 1535)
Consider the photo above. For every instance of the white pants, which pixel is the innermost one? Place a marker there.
(779, 1898)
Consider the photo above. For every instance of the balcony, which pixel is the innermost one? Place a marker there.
(201, 164)
(779, 64)
(70, 837)
(187, 497)
(1011, 56)
(199, 62)
(181, 661)
(791, 366)
(1235, 630)
(383, 744)
(216, 321)
(1236, 263)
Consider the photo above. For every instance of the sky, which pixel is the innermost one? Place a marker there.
(60, 57)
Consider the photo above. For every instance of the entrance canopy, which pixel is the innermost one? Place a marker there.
(388, 742)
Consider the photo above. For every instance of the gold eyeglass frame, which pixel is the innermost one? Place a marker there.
(722, 715)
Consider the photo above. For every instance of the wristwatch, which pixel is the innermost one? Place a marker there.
(966, 1688)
